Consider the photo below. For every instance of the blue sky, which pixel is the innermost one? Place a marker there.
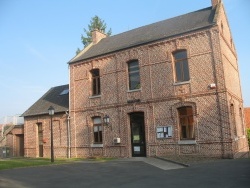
(39, 37)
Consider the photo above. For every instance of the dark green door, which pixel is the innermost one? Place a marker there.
(138, 134)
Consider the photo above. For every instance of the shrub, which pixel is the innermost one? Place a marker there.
(248, 136)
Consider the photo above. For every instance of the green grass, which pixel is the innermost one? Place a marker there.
(29, 162)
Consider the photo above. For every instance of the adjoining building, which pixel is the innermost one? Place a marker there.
(168, 88)
(12, 137)
(37, 124)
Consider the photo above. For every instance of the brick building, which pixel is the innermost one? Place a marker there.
(12, 137)
(168, 88)
(247, 117)
(37, 124)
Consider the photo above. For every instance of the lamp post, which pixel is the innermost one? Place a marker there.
(51, 113)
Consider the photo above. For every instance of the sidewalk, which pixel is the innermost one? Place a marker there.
(157, 162)
(191, 160)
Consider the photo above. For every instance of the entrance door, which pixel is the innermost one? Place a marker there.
(19, 145)
(138, 134)
(40, 139)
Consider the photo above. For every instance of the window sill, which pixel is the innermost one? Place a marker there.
(95, 96)
(186, 142)
(96, 145)
(134, 90)
(181, 83)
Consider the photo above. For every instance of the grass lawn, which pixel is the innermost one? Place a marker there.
(28, 162)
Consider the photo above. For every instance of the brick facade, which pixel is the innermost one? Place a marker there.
(13, 139)
(212, 59)
(31, 142)
(247, 117)
(213, 93)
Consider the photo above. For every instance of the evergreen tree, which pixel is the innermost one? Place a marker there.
(95, 23)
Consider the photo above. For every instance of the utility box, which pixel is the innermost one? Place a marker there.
(117, 140)
(4, 152)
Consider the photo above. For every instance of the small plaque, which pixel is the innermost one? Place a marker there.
(137, 148)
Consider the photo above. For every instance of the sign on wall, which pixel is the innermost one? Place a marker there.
(164, 131)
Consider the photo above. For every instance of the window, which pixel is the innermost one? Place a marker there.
(241, 121)
(96, 85)
(97, 126)
(40, 138)
(186, 123)
(232, 113)
(64, 92)
(134, 75)
(164, 132)
(181, 66)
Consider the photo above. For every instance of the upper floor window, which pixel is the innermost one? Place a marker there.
(97, 125)
(181, 66)
(134, 75)
(186, 121)
(96, 84)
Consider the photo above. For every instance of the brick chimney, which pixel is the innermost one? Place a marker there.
(215, 2)
(97, 36)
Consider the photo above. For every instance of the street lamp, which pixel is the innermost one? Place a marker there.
(106, 120)
(51, 113)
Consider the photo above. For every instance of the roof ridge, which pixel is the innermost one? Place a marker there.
(210, 7)
(156, 31)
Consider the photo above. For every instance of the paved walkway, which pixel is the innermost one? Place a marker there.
(159, 163)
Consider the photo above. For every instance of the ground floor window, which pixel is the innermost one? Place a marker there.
(186, 123)
(97, 125)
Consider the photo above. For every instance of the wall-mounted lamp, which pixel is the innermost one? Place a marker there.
(106, 120)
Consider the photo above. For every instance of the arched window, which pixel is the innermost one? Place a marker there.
(97, 126)
(241, 121)
(186, 123)
(181, 66)
(96, 85)
(134, 75)
(232, 113)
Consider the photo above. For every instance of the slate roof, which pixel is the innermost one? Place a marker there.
(54, 98)
(154, 32)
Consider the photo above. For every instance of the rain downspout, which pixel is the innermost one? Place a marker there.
(68, 136)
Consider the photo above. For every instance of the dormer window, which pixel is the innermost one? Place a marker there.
(96, 84)
(65, 92)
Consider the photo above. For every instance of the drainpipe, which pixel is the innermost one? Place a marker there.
(68, 135)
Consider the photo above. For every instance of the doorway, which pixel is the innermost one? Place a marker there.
(40, 139)
(19, 145)
(137, 128)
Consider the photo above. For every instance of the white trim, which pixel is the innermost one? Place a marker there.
(184, 142)
(96, 145)
(134, 90)
(181, 83)
(94, 96)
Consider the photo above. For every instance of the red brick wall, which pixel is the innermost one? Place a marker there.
(219, 132)
(159, 98)
(247, 117)
(31, 145)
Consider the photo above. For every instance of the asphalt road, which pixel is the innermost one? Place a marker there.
(129, 174)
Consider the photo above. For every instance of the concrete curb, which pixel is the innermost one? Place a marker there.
(183, 164)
